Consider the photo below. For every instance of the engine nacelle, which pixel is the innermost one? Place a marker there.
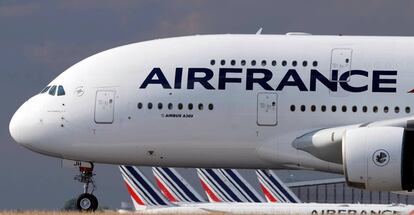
(379, 158)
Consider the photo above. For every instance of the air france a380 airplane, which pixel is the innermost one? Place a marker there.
(340, 104)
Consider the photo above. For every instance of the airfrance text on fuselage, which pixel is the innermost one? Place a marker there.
(383, 81)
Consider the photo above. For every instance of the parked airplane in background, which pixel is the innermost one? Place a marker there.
(142, 192)
(220, 185)
(274, 189)
(340, 104)
(174, 187)
(147, 200)
(227, 185)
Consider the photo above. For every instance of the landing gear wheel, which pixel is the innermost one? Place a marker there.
(87, 202)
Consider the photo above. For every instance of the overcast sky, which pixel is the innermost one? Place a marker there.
(40, 39)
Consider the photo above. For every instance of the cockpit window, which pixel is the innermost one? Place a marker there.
(52, 90)
(61, 91)
(45, 90)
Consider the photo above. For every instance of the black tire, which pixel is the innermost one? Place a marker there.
(87, 203)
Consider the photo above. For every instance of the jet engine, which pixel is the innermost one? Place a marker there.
(379, 158)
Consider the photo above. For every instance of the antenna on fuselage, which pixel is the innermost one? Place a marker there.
(259, 31)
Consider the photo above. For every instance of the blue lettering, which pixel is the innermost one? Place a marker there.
(382, 80)
(160, 79)
(250, 79)
(178, 77)
(223, 79)
(297, 81)
(377, 81)
(345, 84)
(208, 74)
(316, 75)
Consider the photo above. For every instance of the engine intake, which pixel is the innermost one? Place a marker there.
(379, 158)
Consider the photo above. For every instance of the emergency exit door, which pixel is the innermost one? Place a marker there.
(266, 109)
(104, 107)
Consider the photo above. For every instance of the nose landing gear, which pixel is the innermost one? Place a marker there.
(86, 201)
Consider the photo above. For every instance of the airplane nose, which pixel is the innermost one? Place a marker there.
(31, 128)
(17, 125)
(25, 124)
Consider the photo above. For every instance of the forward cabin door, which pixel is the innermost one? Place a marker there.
(267, 109)
(104, 106)
(341, 61)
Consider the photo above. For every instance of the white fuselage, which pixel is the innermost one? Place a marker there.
(283, 208)
(250, 124)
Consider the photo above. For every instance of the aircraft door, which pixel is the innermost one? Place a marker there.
(104, 106)
(267, 109)
(341, 60)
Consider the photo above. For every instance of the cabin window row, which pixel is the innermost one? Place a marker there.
(344, 108)
(294, 63)
(170, 106)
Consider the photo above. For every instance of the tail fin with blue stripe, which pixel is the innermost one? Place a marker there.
(274, 189)
(226, 185)
(142, 192)
(244, 187)
(174, 186)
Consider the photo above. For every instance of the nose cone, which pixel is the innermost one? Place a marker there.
(28, 127)
(18, 126)
(25, 125)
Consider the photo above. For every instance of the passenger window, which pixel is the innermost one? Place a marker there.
(61, 91)
(45, 89)
(364, 109)
(190, 106)
(52, 90)
(397, 109)
(210, 106)
(200, 106)
(304, 63)
(354, 108)
(386, 109)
